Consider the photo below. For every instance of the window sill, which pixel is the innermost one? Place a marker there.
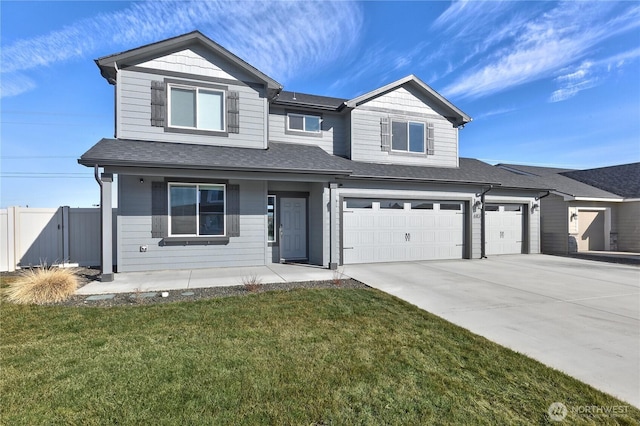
(303, 133)
(194, 131)
(194, 241)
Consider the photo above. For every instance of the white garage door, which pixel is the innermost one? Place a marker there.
(400, 230)
(504, 226)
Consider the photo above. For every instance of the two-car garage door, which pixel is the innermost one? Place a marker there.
(396, 230)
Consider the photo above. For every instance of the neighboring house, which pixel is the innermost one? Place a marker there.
(218, 166)
(588, 210)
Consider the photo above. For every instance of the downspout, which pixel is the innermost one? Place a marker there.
(483, 231)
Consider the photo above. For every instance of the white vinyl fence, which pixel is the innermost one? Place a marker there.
(58, 236)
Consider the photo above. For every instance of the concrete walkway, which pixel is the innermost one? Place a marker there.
(130, 282)
(579, 316)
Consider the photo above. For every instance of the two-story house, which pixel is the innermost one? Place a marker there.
(217, 165)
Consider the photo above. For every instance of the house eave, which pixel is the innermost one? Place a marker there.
(91, 162)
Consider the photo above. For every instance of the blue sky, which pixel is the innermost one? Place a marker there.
(547, 83)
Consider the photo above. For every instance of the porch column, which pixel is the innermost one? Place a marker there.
(106, 234)
(334, 221)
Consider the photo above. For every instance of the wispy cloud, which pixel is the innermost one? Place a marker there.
(280, 38)
(491, 113)
(574, 82)
(546, 44)
(16, 85)
(589, 74)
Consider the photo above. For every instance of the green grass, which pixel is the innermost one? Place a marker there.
(304, 357)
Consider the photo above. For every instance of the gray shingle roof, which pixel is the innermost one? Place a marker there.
(314, 101)
(557, 179)
(289, 158)
(532, 170)
(623, 180)
(469, 171)
(280, 157)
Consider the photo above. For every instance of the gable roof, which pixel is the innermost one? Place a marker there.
(458, 117)
(623, 180)
(297, 99)
(109, 64)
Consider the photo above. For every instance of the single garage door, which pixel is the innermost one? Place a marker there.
(504, 228)
(401, 230)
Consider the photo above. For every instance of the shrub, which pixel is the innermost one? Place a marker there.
(252, 283)
(42, 285)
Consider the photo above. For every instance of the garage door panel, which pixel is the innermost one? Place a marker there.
(423, 233)
(504, 229)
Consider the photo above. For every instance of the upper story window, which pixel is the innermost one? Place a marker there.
(304, 123)
(196, 108)
(408, 136)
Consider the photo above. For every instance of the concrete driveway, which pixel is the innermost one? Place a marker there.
(579, 316)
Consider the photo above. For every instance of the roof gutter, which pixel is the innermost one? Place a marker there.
(89, 162)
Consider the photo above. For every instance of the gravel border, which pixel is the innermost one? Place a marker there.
(192, 294)
(86, 275)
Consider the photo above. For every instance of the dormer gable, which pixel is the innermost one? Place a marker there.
(405, 122)
(422, 91)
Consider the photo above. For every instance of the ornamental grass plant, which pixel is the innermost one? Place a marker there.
(42, 285)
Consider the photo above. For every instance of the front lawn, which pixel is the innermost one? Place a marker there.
(303, 357)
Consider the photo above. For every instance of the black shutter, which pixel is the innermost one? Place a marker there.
(233, 210)
(233, 112)
(430, 139)
(385, 134)
(158, 104)
(159, 206)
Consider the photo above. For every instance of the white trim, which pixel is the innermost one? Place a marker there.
(197, 90)
(607, 200)
(275, 228)
(197, 216)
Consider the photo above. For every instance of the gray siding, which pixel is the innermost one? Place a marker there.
(134, 114)
(198, 61)
(628, 226)
(134, 230)
(333, 137)
(554, 224)
(402, 103)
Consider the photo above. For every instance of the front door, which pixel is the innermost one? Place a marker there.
(293, 228)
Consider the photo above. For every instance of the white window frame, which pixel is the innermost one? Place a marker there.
(408, 123)
(197, 216)
(197, 90)
(275, 228)
(304, 123)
